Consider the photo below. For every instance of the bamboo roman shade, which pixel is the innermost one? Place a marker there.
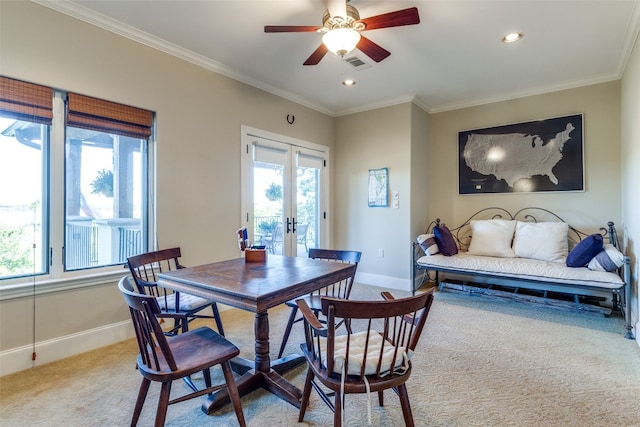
(26, 101)
(110, 117)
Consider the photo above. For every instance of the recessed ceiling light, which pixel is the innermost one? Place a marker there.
(512, 37)
(349, 82)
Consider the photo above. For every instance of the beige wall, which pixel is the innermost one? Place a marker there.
(199, 115)
(371, 140)
(396, 138)
(599, 203)
(630, 124)
(419, 171)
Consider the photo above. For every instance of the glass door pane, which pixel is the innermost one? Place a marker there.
(270, 169)
(268, 206)
(309, 167)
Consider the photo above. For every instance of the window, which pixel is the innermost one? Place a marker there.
(23, 160)
(86, 166)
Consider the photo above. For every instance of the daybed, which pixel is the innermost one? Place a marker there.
(526, 256)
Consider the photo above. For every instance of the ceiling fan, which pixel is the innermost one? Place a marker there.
(342, 27)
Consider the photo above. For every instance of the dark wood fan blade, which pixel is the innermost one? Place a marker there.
(290, 28)
(372, 50)
(317, 55)
(392, 19)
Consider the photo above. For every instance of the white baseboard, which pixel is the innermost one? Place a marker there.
(19, 359)
(384, 281)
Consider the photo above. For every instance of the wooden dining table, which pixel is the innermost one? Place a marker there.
(257, 287)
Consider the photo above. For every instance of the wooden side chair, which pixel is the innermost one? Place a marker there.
(301, 237)
(373, 356)
(340, 289)
(165, 359)
(181, 307)
(276, 237)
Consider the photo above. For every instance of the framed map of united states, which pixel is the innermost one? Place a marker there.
(540, 155)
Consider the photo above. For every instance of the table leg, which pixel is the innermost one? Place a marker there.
(262, 375)
(261, 331)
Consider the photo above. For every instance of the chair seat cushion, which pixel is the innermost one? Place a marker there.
(357, 344)
(187, 302)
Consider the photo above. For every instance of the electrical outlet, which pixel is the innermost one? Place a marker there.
(380, 253)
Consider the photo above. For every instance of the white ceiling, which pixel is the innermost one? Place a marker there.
(454, 58)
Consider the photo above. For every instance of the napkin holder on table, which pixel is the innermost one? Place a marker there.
(255, 255)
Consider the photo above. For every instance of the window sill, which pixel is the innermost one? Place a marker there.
(25, 287)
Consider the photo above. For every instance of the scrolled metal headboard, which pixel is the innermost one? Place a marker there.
(462, 232)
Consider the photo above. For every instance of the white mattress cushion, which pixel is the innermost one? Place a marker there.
(523, 268)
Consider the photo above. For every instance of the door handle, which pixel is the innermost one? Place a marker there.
(294, 225)
(288, 225)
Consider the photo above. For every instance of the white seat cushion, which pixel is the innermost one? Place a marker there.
(187, 302)
(358, 341)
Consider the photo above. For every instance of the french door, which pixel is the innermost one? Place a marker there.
(283, 192)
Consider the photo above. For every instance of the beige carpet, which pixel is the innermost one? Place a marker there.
(479, 363)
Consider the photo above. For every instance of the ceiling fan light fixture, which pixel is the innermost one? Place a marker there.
(341, 40)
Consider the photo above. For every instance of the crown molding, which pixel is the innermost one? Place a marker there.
(90, 17)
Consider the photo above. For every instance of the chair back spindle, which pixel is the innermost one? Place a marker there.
(341, 289)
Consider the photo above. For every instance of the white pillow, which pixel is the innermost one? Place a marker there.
(492, 237)
(357, 344)
(428, 244)
(607, 260)
(546, 241)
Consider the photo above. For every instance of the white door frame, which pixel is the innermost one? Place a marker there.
(248, 134)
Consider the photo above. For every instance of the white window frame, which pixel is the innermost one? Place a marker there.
(57, 279)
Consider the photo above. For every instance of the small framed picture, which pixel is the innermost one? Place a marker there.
(378, 188)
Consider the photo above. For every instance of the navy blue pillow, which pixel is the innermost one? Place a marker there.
(444, 239)
(584, 251)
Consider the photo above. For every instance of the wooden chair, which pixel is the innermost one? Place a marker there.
(301, 237)
(340, 289)
(276, 237)
(182, 308)
(165, 359)
(375, 358)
